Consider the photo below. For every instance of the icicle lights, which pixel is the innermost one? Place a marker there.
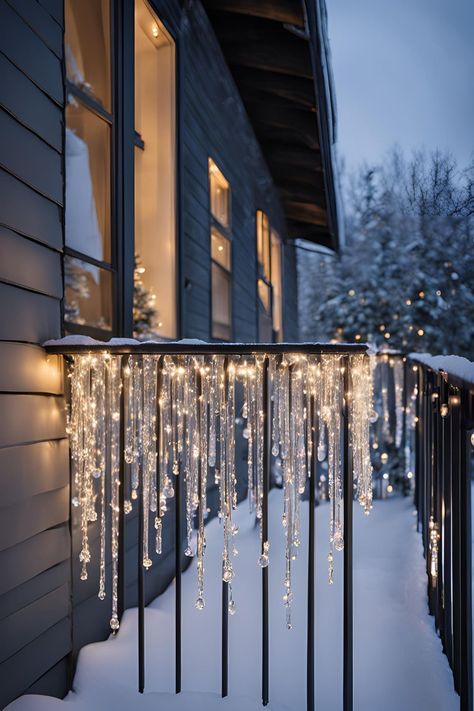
(179, 420)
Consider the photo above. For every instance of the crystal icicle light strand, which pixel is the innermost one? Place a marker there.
(180, 420)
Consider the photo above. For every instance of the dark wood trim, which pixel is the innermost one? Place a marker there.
(276, 10)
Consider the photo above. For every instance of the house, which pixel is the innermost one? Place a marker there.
(157, 161)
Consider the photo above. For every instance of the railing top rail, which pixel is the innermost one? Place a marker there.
(454, 369)
(71, 346)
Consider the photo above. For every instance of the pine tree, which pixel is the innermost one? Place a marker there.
(144, 311)
(405, 278)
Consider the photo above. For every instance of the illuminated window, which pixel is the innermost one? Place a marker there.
(263, 244)
(98, 241)
(277, 288)
(269, 281)
(219, 194)
(88, 263)
(221, 255)
(155, 237)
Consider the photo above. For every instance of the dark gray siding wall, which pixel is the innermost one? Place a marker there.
(38, 627)
(214, 123)
(35, 623)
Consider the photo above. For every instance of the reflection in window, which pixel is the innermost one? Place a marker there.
(87, 47)
(220, 249)
(263, 244)
(221, 303)
(277, 288)
(221, 254)
(219, 192)
(87, 182)
(88, 291)
(269, 281)
(87, 285)
(155, 249)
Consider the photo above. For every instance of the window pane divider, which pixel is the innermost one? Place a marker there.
(69, 252)
(89, 102)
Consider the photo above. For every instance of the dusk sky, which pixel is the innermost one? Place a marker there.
(404, 73)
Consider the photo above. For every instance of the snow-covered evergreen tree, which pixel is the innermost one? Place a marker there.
(405, 277)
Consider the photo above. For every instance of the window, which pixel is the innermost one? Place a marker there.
(155, 238)
(88, 263)
(269, 281)
(98, 300)
(221, 255)
(277, 288)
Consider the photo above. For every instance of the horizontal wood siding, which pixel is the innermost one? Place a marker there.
(214, 123)
(38, 627)
(35, 607)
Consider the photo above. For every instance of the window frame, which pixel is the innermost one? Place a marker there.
(110, 119)
(123, 139)
(225, 232)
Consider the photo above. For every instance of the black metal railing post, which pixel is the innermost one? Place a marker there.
(311, 554)
(141, 593)
(121, 516)
(177, 563)
(348, 489)
(465, 525)
(225, 591)
(266, 486)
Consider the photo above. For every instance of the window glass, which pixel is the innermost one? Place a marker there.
(87, 47)
(220, 249)
(155, 239)
(264, 295)
(87, 294)
(277, 285)
(263, 244)
(87, 182)
(221, 303)
(219, 194)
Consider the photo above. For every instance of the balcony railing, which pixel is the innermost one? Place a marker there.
(443, 434)
(300, 396)
(427, 415)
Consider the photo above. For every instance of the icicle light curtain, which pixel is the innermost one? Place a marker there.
(151, 422)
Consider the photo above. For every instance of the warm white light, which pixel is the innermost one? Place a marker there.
(420, 332)
(197, 410)
(155, 31)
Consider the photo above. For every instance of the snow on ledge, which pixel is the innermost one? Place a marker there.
(122, 699)
(76, 340)
(453, 365)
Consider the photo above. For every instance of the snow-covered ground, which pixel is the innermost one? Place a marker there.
(398, 660)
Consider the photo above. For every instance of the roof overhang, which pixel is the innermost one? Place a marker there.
(277, 51)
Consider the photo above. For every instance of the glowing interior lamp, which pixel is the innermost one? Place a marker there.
(155, 31)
